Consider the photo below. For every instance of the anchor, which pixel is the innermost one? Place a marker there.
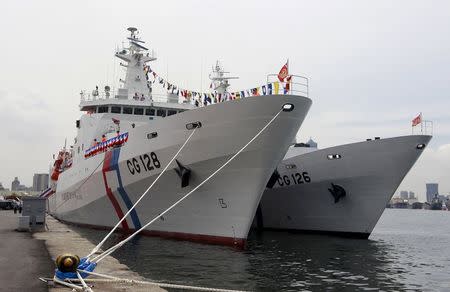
(273, 179)
(184, 173)
(337, 192)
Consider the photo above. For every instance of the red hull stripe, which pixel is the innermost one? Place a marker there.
(106, 168)
(239, 243)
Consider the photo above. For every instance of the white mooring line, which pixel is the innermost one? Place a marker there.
(111, 279)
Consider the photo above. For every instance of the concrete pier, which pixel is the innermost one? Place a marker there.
(24, 257)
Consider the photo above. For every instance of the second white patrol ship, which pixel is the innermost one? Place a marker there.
(341, 190)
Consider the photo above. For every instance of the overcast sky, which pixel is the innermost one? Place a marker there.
(373, 66)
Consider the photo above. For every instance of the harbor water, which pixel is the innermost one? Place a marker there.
(408, 250)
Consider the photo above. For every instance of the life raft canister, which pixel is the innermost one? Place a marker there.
(56, 168)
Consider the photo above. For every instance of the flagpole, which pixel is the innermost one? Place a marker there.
(201, 75)
(421, 124)
(288, 75)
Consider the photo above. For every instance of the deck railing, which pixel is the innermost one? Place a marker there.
(294, 85)
(105, 95)
(298, 85)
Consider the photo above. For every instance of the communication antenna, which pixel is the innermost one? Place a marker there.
(218, 78)
(132, 31)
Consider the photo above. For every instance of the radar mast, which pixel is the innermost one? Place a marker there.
(218, 79)
(136, 56)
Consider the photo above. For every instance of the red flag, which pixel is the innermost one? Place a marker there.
(417, 120)
(283, 72)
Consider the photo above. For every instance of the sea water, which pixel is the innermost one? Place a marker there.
(408, 250)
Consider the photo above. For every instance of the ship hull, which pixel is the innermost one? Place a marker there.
(221, 210)
(368, 172)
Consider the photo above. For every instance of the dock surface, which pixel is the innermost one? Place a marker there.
(23, 259)
(61, 238)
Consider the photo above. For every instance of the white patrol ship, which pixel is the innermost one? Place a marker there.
(137, 133)
(341, 190)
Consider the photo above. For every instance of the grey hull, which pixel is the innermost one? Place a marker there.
(221, 211)
(367, 172)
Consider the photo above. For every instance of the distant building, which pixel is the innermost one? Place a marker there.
(1, 187)
(432, 190)
(15, 184)
(404, 195)
(40, 182)
(312, 143)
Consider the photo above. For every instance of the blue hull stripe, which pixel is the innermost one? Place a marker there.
(121, 189)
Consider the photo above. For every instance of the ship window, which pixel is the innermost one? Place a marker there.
(138, 111)
(115, 109)
(171, 112)
(161, 113)
(102, 109)
(149, 111)
(127, 110)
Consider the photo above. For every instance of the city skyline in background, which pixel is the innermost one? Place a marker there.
(372, 69)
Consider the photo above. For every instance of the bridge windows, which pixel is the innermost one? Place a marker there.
(115, 109)
(127, 110)
(102, 109)
(138, 111)
(161, 112)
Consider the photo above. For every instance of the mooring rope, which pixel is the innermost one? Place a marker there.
(99, 245)
(112, 279)
(118, 245)
(67, 284)
(85, 286)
